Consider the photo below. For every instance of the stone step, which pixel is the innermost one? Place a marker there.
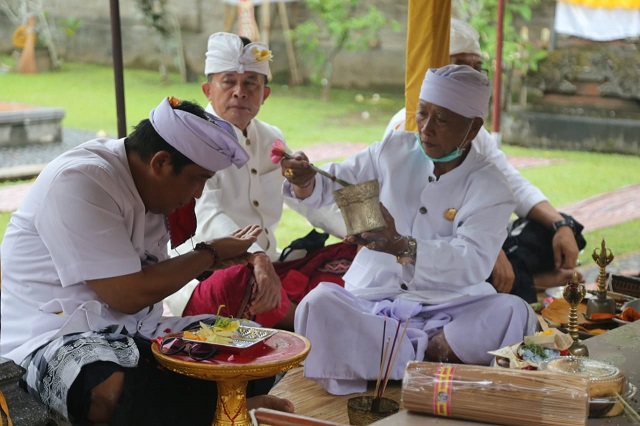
(23, 409)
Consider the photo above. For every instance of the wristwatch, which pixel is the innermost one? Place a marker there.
(409, 255)
(564, 222)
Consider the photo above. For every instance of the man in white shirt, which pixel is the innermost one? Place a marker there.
(237, 73)
(518, 270)
(85, 268)
(446, 208)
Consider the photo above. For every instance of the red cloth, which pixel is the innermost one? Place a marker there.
(228, 286)
(182, 223)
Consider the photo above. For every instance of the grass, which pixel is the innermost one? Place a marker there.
(87, 95)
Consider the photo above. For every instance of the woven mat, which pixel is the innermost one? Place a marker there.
(310, 399)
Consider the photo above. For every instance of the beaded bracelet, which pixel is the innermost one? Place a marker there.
(209, 248)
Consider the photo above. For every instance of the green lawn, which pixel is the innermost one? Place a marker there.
(87, 95)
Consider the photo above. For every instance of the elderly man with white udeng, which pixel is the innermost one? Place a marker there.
(446, 208)
(547, 255)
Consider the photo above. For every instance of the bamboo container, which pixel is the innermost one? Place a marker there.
(495, 395)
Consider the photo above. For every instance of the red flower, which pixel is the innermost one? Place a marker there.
(278, 152)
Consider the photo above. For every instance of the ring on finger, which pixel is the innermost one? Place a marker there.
(289, 173)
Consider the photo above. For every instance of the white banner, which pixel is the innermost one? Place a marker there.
(598, 24)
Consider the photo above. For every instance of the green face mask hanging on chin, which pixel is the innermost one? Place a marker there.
(453, 154)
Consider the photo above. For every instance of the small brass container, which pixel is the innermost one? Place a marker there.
(360, 207)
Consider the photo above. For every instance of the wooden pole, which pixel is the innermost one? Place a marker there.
(229, 17)
(497, 82)
(295, 78)
(118, 68)
(265, 21)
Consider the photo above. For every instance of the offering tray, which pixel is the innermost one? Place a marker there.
(272, 355)
(244, 338)
(608, 386)
(557, 313)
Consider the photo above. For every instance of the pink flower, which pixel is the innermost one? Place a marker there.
(278, 152)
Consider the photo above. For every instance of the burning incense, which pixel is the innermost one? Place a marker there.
(384, 356)
(390, 357)
(393, 360)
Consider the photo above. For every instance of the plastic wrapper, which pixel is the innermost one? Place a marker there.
(608, 387)
(492, 395)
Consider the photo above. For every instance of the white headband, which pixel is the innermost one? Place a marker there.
(458, 88)
(226, 52)
(463, 38)
(211, 144)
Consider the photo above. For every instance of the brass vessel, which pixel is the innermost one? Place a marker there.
(360, 207)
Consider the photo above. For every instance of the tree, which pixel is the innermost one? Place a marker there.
(519, 55)
(167, 28)
(336, 25)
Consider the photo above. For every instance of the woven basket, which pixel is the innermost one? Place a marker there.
(624, 284)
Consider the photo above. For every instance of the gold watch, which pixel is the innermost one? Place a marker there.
(409, 255)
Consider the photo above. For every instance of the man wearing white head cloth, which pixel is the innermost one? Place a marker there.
(546, 253)
(85, 268)
(237, 73)
(446, 208)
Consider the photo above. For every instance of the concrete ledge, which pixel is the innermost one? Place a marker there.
(572, 133)
(20, 172)
(25, 124)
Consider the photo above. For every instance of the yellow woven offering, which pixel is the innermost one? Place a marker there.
(220, 332)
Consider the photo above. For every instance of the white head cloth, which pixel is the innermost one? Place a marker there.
(463, 38)
(458, 88)
(225, 52)
(211, 144)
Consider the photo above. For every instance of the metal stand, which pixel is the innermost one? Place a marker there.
(573, 293)
(602, 304)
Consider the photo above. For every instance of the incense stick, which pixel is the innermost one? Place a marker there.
(382, 352)
(384, 356)
(631, 413)
(496, 395)
(393, 346)
(393, 360)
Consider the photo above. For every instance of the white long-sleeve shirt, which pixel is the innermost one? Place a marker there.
(526, 194)
(454, 257)
(82, 220)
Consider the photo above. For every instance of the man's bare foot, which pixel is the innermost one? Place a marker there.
(438, 350)
(544, 280)
(270, 401)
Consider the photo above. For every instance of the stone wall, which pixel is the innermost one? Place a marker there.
(578, 81)
(584, 96)
(198, 18)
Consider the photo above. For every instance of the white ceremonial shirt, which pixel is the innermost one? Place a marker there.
(526, 194)
(82, 220)
(454, 257)
(252, 194)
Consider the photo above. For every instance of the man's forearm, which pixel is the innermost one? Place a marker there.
(131, 293)
(545, 214)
